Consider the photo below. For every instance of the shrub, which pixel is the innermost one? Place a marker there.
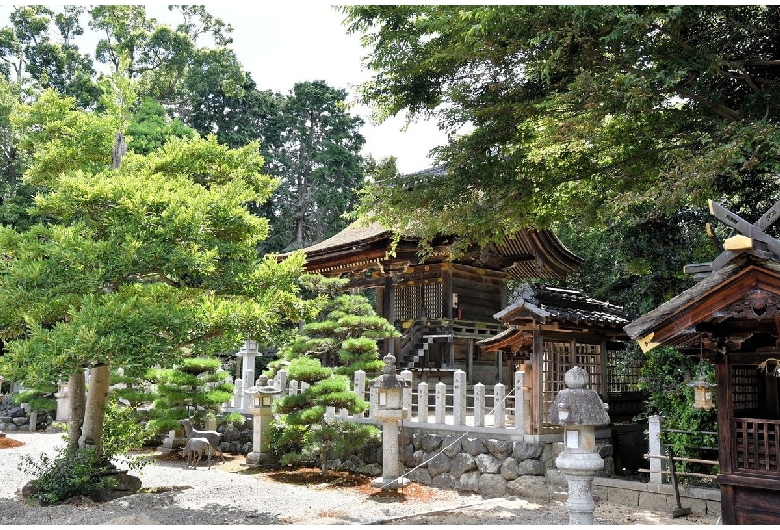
(69, 474)
(235, 419)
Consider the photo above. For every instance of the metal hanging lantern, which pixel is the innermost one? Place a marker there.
(702, 393)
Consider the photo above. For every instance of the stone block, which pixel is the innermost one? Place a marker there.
(19, 421)
(417, 441)
(246, 448)
(473, 446)
(418, 458)
(470, 481)
(462, 463)
(368, 454)
(509, 469)
(531, 467)
(487, 463)
(499, 448)
(407, 456)
(10, 427)
(451, 445)
(529, 487)
(430, 442)
(609, 468)
(622, 496)
(604, 449)
(231, 434)
(555, 477)
(420, 475)
(446, 481)
(653, 501)
(439, 464)
(373, 470)
(492, 485)
(524, 450)
(697, 506)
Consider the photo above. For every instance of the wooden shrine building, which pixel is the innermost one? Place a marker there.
(442, 306)
(551, 330)
(732, 317)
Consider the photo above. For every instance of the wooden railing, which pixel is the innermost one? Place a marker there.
(757, 445)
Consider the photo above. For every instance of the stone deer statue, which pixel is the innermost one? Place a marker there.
(212, 436)
(194, 450)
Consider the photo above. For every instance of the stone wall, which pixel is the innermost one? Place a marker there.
(17, 418)
(488, 466)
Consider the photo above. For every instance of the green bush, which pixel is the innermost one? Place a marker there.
(69, 474)
(235, 419)
(124, 431)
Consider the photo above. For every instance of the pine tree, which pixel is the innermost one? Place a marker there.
(325, 355)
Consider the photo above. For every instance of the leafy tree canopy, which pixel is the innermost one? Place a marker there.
(575, 111)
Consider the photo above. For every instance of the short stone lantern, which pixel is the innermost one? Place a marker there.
(388, 409)
(579, 410)
(262, 395)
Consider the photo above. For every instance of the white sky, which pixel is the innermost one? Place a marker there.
(282, 43)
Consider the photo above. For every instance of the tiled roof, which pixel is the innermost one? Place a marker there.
(547, 304)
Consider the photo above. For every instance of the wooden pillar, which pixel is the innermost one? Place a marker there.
(725, 435)
(446, 276)
(604, 391)
(469, 361)
(537, 369)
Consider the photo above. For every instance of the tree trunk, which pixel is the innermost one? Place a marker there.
(324, 460)
(77, 406)
(95, 412)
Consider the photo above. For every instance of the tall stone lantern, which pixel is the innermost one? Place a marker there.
(388, 408)
(579, 410)
(262, 395)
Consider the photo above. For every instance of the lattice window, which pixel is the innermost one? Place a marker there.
(409, 300)
(622, 372)
(557, 359)
(744, 387)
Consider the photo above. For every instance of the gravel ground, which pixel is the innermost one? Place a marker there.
(230, 493)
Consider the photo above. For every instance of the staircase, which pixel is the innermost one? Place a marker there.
(413, 358)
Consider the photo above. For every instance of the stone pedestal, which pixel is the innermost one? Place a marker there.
(174, 442)
(387, 407)
(579, 470)
(260, 455)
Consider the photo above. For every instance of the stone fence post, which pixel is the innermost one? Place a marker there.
(441, 402)
(422, 402)
(459, 397)
(406, 375)
(654, 446)
(520, 402)
(499, 408)
(479, 405)
(359, 384)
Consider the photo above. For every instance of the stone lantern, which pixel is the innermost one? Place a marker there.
(262, 395)
(579, 410)
(388, 409)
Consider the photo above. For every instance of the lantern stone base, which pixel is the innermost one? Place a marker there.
(390, 484)
(579, 470)
(172, 443)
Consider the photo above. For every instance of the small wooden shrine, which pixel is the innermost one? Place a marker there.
(551, 330)
(732, 317)
(442, 306)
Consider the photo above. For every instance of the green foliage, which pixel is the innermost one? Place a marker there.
(151, 128)
(39, 398)
(192, 390)
(125, 431)
(70, 473)
(666, 376)
(573, 112)
(236, 419)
